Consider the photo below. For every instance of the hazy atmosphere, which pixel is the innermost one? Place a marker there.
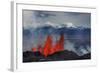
(39, 18)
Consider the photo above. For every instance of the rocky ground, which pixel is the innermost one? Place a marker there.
(30, 56)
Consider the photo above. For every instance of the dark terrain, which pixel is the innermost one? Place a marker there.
(30, 56)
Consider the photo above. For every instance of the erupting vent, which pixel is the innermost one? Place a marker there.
(48, 48)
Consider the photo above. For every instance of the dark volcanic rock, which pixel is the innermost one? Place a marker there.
(58, 56)
(64, 55)
(31, 56)
(86, 56)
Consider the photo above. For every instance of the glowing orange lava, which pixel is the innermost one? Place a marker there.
(48, 48)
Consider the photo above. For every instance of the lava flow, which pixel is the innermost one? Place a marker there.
(48, 48)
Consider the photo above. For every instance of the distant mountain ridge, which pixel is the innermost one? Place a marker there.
(51, 29)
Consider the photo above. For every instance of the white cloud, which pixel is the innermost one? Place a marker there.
(69, 24)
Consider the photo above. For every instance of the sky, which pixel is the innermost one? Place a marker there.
(33, 18)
